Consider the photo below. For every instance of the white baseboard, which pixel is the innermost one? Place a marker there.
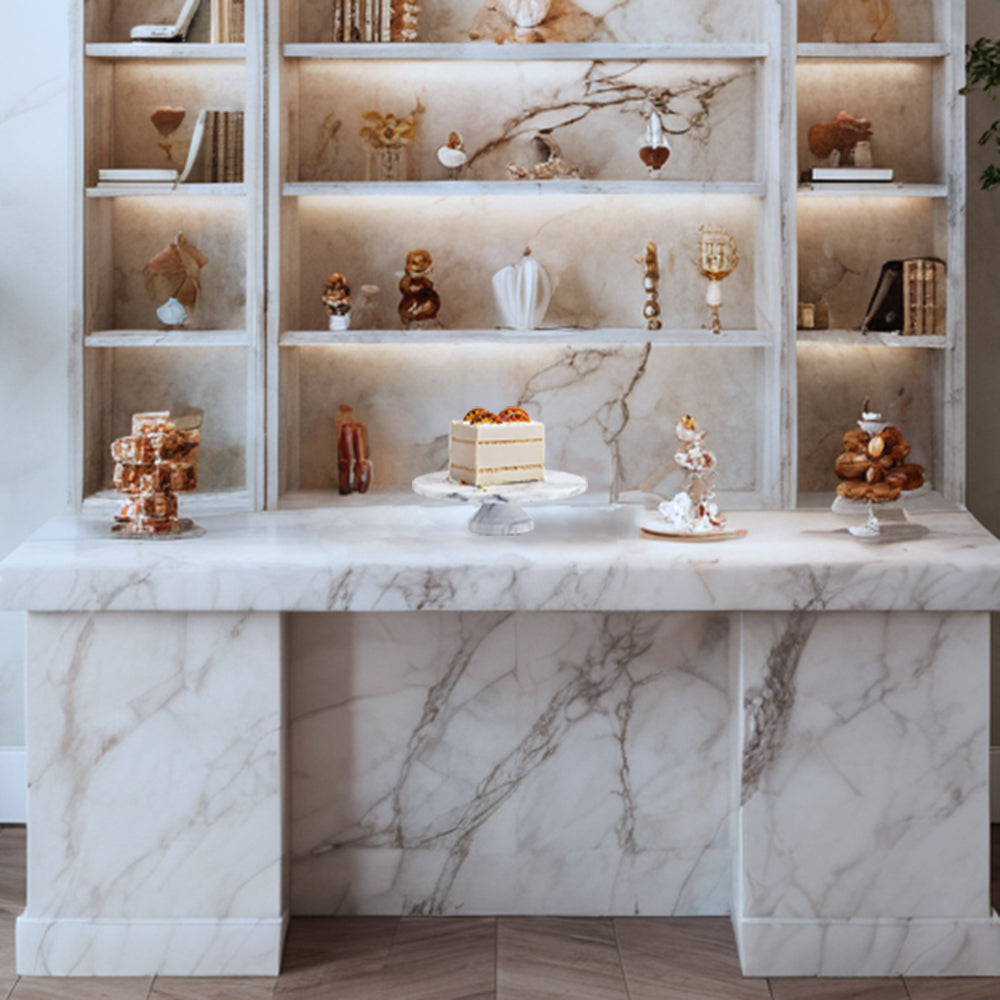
(14, 785)
(995, 784)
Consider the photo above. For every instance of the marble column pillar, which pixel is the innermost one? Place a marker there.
(863, 832)
(155, 809)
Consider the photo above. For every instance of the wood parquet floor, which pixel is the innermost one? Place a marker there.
(482, 958)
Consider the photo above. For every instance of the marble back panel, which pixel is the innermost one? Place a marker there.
(492, 763)
(609, 411)
(588, 246)
(595, 112)
(891, 731)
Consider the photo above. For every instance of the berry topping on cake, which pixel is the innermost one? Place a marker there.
(514, 415)
(481, 416)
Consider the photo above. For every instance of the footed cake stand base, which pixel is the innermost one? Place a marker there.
(500, 511)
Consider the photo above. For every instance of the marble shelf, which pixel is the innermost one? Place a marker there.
(871, 339)
(165, 50)
(167, 338)
(543, 335)
(490, 52)
(168, 190)
(370, 559)
(874, 50)
(436, 188)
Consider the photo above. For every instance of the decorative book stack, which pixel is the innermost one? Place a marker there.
(223, 147)
(368, 21)
(924, 297)
(228, 21)
(910, 298)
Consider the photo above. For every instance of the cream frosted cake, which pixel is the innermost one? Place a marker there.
(486, 449)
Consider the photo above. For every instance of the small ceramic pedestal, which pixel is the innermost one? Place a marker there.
(500, 511)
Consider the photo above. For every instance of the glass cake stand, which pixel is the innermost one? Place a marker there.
(500, 511)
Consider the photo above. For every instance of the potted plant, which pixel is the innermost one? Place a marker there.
(982, 72)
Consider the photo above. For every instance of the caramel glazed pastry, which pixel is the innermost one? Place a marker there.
(873, 467)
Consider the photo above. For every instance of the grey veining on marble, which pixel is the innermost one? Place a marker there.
(889, 732)
(418, 557)
(609, 411)
(595, 112)
(768, 706)
(435, 763)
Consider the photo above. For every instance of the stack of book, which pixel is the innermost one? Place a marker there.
(924, 297)
(215, 156)
(362, 20)
(228, 21)
(910, 298)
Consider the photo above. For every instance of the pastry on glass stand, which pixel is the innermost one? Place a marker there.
(693, 513)
(873, 468)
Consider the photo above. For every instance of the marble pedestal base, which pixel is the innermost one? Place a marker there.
(863, 843)
(155, 795)
(822, 776)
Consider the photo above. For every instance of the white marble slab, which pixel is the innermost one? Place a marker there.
(436, 763)
(416, 557)
(155, 811)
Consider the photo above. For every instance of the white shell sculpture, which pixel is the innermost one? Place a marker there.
(522, 292)
(526, 13)
(172, 313)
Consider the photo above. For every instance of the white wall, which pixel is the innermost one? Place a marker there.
(34, 258)
(34, 254)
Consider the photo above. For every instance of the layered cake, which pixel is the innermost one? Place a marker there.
(487, 449)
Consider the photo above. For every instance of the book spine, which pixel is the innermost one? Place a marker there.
(385, 34)
(237, 21)
(214, 152)
(940, 299)
(338, 20)
(909, 298)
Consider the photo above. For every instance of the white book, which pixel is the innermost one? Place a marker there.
(850, 175)
(135, 175)
(167, 32)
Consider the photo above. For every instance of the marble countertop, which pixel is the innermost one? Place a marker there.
(385, 558)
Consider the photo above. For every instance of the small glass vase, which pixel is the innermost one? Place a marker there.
(388, 163)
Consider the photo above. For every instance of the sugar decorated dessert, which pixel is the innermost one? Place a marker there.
(487, 449)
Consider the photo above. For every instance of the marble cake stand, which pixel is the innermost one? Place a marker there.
(500, 511)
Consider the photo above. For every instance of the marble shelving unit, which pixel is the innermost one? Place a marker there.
(729, 78)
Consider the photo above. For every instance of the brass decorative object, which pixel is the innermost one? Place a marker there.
(389, 139)
(173, 280)
(651, 286)
(420, 303)
(717, 259)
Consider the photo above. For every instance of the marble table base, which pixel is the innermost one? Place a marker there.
(820, 776)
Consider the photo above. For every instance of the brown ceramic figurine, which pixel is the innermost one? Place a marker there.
(337, 301)
(173, 280)
(839, 137)
(420, 302)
